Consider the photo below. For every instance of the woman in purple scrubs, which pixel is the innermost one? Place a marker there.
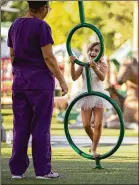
(34, 69)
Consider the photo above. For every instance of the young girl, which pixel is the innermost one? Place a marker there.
(92, 106)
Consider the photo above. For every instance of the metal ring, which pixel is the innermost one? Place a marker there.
(95, 29)
(76, 149)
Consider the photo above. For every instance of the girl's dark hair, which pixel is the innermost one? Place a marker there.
(92, 45)
(36, 5)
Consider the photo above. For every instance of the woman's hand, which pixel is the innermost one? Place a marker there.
(72, 59)
(64, 88)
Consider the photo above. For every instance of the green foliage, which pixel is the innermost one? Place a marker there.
(8, 16)
(113, 18)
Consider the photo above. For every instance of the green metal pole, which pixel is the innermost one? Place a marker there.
(81, 12)
(98, 165)
(88, 81)
(90, 92)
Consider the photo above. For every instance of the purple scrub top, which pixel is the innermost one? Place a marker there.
(26, 36)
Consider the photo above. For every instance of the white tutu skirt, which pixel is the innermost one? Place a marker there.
(92, 101)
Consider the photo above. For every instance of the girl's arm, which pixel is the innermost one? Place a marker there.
(101, 71)
(75, 74)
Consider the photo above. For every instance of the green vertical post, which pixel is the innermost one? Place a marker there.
(90, 91)
(88, 81)
(98, 165)
(81, 12)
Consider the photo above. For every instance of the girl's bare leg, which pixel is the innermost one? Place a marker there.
(98, 122)
(86, 118)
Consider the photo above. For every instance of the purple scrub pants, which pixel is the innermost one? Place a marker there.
(32, 111)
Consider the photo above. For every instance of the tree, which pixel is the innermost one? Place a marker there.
(10, 17)
(113, 18)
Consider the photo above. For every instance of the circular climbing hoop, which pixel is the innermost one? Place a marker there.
(96, 30)
(76, 149)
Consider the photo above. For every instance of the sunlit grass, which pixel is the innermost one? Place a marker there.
(58, 128)
(120, 168)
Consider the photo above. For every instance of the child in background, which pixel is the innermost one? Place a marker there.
(92, 106)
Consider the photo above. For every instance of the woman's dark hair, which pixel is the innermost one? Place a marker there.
(92, 45)
(36, 5)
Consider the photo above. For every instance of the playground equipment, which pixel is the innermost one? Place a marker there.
(90, 92)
